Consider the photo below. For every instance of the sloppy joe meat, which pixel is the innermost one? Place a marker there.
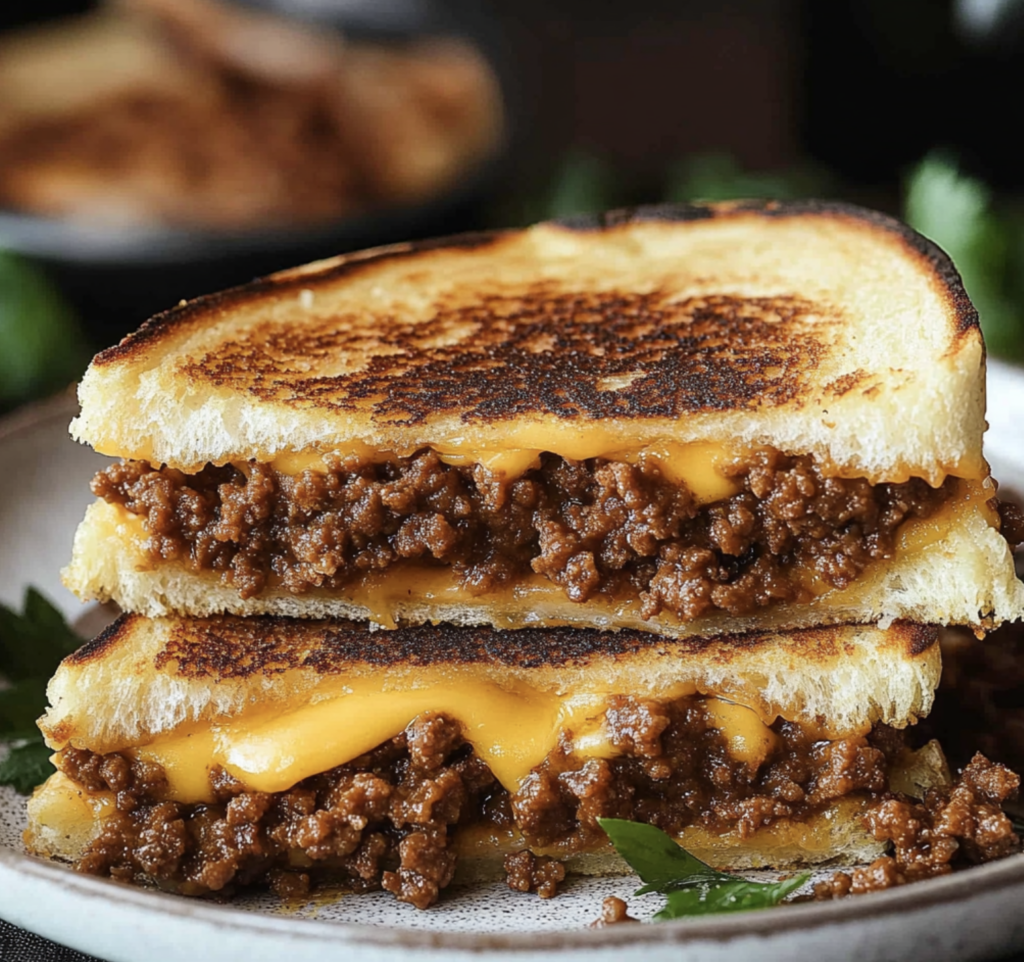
(614, 911)
(387, 819)
(594, 527)
(963, 825)
(526, 872)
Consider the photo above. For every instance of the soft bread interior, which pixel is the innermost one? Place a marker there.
(817, 329)
(836, 834)
(964, 575)
(63, 818)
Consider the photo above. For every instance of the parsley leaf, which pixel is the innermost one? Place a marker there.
(27, 764)
(32, 645)
(652, 854)
(735, 895)
(690, 886)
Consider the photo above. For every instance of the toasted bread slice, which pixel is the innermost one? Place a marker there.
(813, 328)
(143, 679)
(679, 343)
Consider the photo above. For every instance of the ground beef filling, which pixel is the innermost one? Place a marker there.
(382, 821)
(614, 911)
(962, 825)
(592, 527)
(387, 819)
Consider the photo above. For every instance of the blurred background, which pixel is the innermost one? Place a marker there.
(153, 150)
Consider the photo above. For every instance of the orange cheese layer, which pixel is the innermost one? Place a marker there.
(698, 464)
(511, 729)
(509, 449)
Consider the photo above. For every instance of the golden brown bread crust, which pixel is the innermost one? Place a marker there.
(544, 349)
(229, 647)
(503, 372)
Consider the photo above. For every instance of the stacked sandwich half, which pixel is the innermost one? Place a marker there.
(435, 554)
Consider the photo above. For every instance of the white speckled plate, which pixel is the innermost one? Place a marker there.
(43, 493)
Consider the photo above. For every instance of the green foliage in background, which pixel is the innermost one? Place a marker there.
(718, 176)
(32, 644)
(41, 345)
(958, 213)
(583, 184)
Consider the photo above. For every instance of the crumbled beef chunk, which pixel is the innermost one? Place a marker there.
(964, 824)
(526, 872)
(592, 527)
(613, 911)
(289, 885)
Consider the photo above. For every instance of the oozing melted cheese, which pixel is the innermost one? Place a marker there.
(512, 730)
(749, 739)
(697, 465)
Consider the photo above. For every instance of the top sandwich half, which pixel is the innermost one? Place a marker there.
(689, 412)
(816, 329)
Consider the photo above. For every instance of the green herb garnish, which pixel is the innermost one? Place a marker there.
(689, 885)
(32, 644)
(42, 348)
(27, 765)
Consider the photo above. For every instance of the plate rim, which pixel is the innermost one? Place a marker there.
(944, 890)
(26, 417)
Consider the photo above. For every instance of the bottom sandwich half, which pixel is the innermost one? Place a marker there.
(202, 755)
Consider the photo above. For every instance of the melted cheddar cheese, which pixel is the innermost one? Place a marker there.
(698, 465)
(511, 729)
